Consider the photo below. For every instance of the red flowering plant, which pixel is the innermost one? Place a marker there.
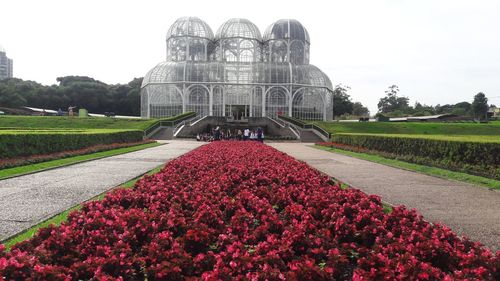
(244, 211)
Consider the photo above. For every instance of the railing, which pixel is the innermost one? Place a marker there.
(166, 123)
(277, 121)
(304, 125)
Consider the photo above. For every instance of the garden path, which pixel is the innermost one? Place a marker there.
(468, 210)
(27, 200)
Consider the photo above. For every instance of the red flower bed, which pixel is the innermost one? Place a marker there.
(244, 211)
(32, 159)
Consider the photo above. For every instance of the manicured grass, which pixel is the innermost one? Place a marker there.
(461, 138)
(49, 131)
(432, 171)
(40, 122)
(74, 123)
(62, 217)
(412, 128)
(22, 170)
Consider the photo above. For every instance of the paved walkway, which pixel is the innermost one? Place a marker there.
(469, 210)
(28, 200)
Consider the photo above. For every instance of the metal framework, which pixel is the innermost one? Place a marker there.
(237, 71)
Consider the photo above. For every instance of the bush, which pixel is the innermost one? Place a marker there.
(26, 143)
(482, 158)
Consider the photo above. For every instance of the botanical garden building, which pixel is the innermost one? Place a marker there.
(237, 73)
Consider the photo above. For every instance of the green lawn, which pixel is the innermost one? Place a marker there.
(51, 131)
(27, 169)
(466, 138)
(40, 122)
(62, 217)
(432, 171)
(412, 128)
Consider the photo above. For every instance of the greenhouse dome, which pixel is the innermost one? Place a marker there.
(237, 68)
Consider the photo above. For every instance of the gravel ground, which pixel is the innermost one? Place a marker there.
(30, 199)
(469, 210)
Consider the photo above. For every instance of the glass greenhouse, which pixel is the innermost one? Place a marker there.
(237, 73)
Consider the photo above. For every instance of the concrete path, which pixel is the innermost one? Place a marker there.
(28, 200)
(469, 210)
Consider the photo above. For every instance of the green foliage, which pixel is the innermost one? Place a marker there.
(80, 91)
(392, 101)
(359, 110)
(15, 143)
(481, 158)
(480, 106)
(413, 128)
(342, 103)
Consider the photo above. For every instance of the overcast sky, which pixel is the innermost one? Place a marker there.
(435, 51)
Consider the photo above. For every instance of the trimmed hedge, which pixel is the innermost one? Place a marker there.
(481, 158)
(26, 143)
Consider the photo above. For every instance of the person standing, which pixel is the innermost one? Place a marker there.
(260, 135)
(246, 134)
(70, 111)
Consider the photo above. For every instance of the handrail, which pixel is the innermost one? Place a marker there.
(304, 125)
(277, 121)
(321, 131)
(165, 123)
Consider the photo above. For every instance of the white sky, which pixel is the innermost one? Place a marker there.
(435, 51)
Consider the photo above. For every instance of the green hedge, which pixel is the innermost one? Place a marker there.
(26, 143)
(482, 158)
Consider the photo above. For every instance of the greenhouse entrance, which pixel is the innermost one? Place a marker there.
(238, 111)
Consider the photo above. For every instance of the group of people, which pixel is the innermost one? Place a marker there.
(236, 134)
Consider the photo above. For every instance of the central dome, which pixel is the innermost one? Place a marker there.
(240, 28)
(190, 27)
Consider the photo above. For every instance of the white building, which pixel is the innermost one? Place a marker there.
(237, 72)
(6, 65)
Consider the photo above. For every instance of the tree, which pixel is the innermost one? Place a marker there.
(423, 109)
(359, 110)
(480, 106)
(393, 102)
(82, 91)
(342, 103)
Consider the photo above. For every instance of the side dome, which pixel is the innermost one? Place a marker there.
(189, 39)
(286, 40)
(164, 72)
(311, 75)
(287, 29)
(238, 28)
(2, 50)
(190, 26)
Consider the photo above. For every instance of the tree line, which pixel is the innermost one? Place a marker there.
(124, 99)
(80, 91)
(393, 104)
